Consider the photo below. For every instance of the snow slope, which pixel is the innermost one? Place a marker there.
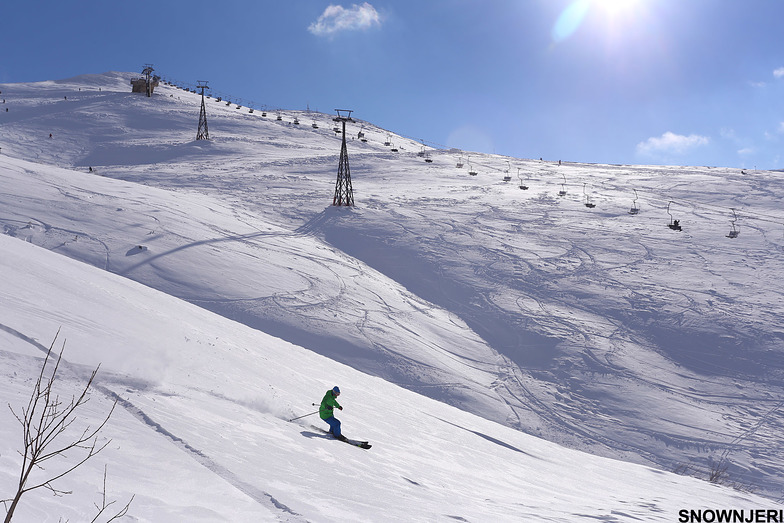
(591, 327)
(201, 430)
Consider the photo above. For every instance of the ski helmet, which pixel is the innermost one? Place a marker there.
(336, 389)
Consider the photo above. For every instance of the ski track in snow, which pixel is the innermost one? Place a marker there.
(561, 311)
(261, 497)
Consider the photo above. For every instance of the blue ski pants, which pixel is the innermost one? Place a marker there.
(334, 425)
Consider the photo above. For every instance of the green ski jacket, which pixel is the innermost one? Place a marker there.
(327, 404)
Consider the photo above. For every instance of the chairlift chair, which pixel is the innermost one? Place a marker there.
(314, 125)
(634, 209)
(522, 185)
(459, 164)
(421, 153)
(675, 225)
(588, 202)
(394, 149)
(735, 230)
(471, 171)
(387, 142)
(296, 121)
(428, 159)
(250, 110)
(562, 192)
(279, 117)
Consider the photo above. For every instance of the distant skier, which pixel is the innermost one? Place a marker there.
(325, 412)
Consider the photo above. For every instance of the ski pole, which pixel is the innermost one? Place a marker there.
(304, 415)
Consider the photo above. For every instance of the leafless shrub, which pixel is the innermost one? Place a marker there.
(48, 434)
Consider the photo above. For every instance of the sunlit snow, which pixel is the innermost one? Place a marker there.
(496, 345)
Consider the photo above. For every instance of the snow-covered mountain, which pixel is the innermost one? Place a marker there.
(594, 328)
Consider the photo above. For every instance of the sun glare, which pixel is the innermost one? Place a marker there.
(616, 7)
(614, 12)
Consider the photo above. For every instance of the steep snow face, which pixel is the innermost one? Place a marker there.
(590, 326)
(201, 430)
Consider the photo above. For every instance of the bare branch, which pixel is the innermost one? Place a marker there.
(105, 505)
(45, 422)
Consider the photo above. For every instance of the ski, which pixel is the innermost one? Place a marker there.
(360, 444)
(354, 442)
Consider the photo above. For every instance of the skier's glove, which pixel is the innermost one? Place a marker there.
(341, 408)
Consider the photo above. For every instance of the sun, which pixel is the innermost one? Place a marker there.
(616, 7)
(614, 15)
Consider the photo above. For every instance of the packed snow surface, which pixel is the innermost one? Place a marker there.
(484, 336)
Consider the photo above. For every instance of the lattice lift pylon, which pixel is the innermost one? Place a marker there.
(344, 194)
(203, 133)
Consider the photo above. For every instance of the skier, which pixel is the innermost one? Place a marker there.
(325, 412)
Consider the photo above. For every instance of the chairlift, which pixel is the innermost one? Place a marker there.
(428, 159)
(314, 125)
(675, 225)
(507, 176)
(394, 149)
(588, 202)
(459, 164)
(387, 142)
(264, 114)
(250, 110)
(296, 121)
(360, 134)
(219, 99)
(635, 209)
(562, 192)
(522, 185)
(735, 230)
(421, 153)
(239, 106)
(279, 117)
(228, 103)
(471, 171)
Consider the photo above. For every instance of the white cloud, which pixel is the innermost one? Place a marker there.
(336, 18)
(746, 151)
(671, 143)
(728, 133)
(779, 73)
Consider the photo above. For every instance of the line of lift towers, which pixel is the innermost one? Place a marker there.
(344, 193)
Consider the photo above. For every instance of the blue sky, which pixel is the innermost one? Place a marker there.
(687, 82)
